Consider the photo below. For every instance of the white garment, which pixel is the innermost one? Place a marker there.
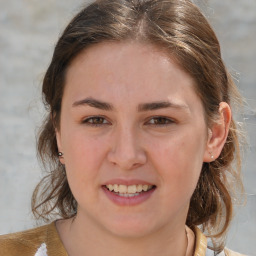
(211, 253)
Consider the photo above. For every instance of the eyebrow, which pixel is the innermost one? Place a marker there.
(93, 103)
(142, 107)
(159, 105)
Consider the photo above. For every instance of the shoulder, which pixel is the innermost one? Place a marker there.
(228, 252)
(201, 248)
(225, 252)
(24, 243)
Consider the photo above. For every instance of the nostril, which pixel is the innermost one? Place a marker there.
(126, 154)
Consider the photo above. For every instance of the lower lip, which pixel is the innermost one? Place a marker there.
(135, 200)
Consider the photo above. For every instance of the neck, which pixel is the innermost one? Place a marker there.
(81, 237)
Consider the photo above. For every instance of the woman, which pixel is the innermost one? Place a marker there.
(140, 137)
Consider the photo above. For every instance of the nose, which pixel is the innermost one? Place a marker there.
(126, 151)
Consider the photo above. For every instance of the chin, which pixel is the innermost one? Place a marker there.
(130, 232)
(131, 228)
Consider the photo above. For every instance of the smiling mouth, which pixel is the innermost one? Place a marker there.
(129, 191)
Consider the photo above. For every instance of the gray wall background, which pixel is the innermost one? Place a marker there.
(28, 32)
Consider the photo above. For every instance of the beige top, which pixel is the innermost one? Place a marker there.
(45, 241)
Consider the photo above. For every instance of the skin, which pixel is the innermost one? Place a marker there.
(132, 143)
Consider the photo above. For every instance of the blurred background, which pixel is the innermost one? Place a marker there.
(28, 32)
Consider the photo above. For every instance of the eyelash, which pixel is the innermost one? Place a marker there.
(167, 121)
(90, 121)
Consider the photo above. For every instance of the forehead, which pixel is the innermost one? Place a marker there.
(127, 53)
(127, 69)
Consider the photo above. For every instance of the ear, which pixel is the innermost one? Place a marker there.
(217, 133)
(59, 144)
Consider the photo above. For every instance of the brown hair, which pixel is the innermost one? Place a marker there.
(179, 28)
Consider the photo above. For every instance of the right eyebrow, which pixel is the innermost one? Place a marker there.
(93, 103)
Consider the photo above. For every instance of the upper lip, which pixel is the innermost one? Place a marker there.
(127, 182)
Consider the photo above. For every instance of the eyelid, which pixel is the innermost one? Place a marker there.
(168, 119)
(87, 119)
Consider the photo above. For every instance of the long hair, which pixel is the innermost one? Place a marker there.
(180, 29)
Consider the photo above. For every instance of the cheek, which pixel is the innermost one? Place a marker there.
(178, 162)
(83, 157)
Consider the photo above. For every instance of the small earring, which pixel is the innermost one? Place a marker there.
(60, 154)
(212, 157)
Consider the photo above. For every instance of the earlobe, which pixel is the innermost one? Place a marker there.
(58, 138)
(218, 133)
(59, 145)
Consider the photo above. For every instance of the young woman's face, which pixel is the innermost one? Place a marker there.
(131, 120)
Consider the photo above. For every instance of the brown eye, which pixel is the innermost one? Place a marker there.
(160, 121)
(95, 121)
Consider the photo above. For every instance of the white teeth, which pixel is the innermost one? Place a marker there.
(110, 187)
(131, 190)
(123, 189)
(116, 188)
(129, 195)
(139, 188)
(145, 187)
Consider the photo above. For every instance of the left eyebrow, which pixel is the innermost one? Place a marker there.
(160, 105)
